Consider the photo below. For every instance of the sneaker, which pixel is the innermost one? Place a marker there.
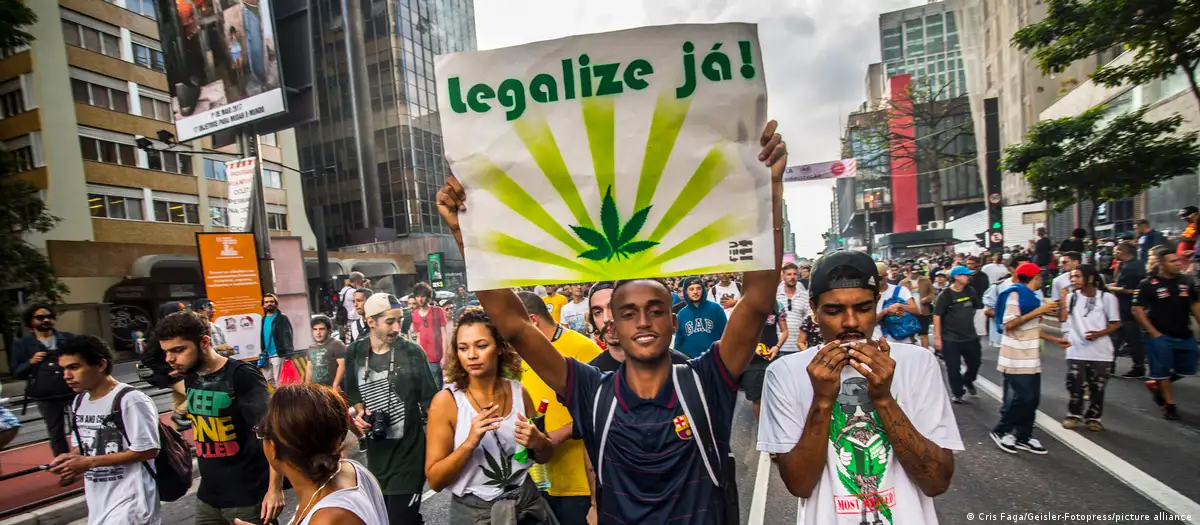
(1070, 422)
(958, 400)
(1094, 425)
(1152, 386)
(971, 390)
(181, 422)
(1032, 445)
(1007, 443)
(1136, 373)
(1170, 413)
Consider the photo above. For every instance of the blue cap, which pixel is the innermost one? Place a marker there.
(960, 270)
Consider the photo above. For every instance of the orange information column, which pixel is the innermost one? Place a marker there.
(229, 263)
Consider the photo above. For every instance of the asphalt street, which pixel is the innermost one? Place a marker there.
(991, 485)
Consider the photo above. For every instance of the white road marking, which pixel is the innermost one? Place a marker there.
(1142, 483)
(758, 504)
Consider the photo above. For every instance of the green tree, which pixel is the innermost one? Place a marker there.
(1082, 159)
(22, 211)
(1163, 34)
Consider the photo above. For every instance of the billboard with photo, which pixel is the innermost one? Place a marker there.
(222, 61)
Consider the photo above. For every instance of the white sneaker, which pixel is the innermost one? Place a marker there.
(1032, 446)
(1007, 442)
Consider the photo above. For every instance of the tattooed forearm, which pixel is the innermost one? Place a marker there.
(801, 468)
(929, 465)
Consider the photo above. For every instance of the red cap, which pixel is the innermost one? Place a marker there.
(1028, 270)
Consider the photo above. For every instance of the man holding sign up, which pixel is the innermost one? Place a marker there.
(623, 157)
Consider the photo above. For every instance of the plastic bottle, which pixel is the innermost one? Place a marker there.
(537, 471)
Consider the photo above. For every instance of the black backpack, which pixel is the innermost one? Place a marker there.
(47, 381)
(717, 456)
(172, 469)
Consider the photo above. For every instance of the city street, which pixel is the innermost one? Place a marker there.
(1158, 458)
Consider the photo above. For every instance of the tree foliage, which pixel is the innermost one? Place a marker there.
(1082, 159)
(1163, 34)
(22, 210)
(921, 130)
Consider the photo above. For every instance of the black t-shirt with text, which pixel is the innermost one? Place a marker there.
(957, 310)
(1168, 303)
(233, 470)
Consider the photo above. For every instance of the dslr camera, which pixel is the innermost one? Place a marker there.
(379, 424)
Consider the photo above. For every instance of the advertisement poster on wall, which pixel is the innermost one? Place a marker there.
(222, 64)
(240, 174)
(229, 264)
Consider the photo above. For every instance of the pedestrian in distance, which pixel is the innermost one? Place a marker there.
(1089, 315)
(226, 399)
(275, 340)
(302, 437)
(1127, 278)
(432, 327)
(112, 453)
(35, 359)
(326, 355)
(480, 444)
(1019, 311)
(660, 403)
(1162, 306)
(954, 332)
(830, 413)
(701, 321)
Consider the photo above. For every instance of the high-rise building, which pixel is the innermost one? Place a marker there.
(924, 41)
(997, 69)
(400, 39)
(74, 105)
(789, 237)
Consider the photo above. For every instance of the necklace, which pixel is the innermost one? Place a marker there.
(480, 405)
(300, 512)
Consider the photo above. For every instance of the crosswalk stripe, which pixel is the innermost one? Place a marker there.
(758, 505)
(1142, 483)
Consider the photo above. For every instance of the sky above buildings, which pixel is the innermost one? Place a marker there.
(815, 53)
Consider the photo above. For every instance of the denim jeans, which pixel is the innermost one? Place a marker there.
(436, 370)
(1022, 408)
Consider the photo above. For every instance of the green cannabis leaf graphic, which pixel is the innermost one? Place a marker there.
(501, 473)
(616, 240)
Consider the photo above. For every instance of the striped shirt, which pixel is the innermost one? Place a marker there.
(797, 310)
(1020, 347)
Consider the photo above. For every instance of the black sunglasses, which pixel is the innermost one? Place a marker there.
(44, 317)
(789, 304)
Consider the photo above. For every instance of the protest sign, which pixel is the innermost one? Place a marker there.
(615, 155)
(240, 174)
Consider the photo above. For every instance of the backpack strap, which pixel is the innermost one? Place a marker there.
(691, 396)
(75, 427)
(605, 395)
(896, 292)
(120, 421)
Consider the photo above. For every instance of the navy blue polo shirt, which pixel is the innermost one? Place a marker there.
(652, 471)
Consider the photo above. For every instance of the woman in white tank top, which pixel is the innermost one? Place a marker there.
(476, 426)
(302, 434)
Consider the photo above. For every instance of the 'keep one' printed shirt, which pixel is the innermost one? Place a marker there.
(233, 470)
(863, 481)
(121, 493)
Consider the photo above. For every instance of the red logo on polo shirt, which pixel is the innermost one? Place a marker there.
(682, 428)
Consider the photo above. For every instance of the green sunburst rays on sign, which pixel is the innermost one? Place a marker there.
(618, 243)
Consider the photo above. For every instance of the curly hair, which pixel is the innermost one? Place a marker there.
(510, 362)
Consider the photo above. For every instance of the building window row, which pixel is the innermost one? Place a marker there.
(176, 212)
(115, 207)
(12, 103)
(105, 151)
(214, 169)
(277, 221)
(100, 96)
(91, 39)
(169, 161)
(142, 7)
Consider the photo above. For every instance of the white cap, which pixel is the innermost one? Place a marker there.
(379, 303)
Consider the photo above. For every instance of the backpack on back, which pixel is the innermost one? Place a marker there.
(901, 326)
(172, 469)
(47, 381)
(717, 457)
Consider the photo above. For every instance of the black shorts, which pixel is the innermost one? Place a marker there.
(925, 321)
(752, 378)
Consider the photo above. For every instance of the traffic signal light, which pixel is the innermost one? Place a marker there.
(981, 239)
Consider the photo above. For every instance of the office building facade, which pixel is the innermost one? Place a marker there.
(923, 41)
(400, 39)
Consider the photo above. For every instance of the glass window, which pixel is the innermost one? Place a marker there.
(112, 45)
(170, 162)
(91, 39)
(12, 103)
(79, 91)
(116, 207)
(127, 155)
(108, 151)
(219, 215)
(160, 211)
(191, 213)
(71, 33)
(277, 221)
(96, 203)
(214, 169)
(185, 164)
(133, 208)
(272, 178)
(120, 100)
(88, 148)
(100, 97)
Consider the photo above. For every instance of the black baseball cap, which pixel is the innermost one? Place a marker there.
(821, 280)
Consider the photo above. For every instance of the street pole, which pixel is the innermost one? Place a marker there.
(248, 142)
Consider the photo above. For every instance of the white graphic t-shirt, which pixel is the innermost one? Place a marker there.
(574, 316)
(863, 481)
(1090, 314)
(122, 493)
(720, 292)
